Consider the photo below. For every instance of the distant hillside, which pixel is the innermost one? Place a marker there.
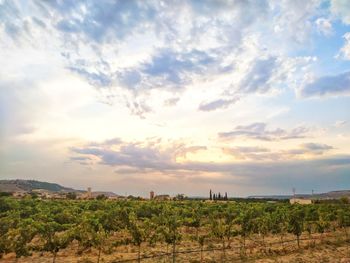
(328, 195)
(335, 194)
(19, 185)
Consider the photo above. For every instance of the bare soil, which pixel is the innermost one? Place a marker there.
(331, 247)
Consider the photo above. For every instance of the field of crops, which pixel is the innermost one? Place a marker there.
(34, 230)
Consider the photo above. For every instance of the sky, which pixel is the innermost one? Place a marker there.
(239, 96)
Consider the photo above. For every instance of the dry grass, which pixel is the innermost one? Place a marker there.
(333, 249)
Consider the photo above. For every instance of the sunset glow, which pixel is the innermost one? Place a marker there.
(244, 97)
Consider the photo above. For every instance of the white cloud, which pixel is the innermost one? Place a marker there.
(344, 52)
(324, 26)
(136, 47)
(341, 8)
(338, 124)
(75, 71)
(293, 19)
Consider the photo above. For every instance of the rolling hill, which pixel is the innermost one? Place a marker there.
(19, 185)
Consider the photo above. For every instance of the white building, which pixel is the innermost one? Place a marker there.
(300, 201)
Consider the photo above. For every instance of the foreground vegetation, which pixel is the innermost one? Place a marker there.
(164, 229)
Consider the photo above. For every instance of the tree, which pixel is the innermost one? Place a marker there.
(195, 220)
(100, 225)
(217, 227)
(101, 197)
(8, 222)
(5, 194)
(7, 204)
(321, 225)
(90, 233)
(230, 218)
(55, 237)
(262, 225)
(279, 223)
(19, 237)
(99, 240)
(71, 196)
(311, 219)
(138, 232)
(296, 222)
(343, 219)
(169, 223)
(344, 200)
(245, 221)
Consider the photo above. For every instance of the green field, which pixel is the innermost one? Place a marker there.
(170, 231)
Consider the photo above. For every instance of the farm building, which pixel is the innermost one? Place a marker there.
(300, 201)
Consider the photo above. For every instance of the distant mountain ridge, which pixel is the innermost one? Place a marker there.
(328, 195)
(20, 185)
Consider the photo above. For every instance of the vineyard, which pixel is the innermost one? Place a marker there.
(33, 230)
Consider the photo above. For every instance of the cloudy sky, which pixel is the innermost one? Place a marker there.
(243, 96)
